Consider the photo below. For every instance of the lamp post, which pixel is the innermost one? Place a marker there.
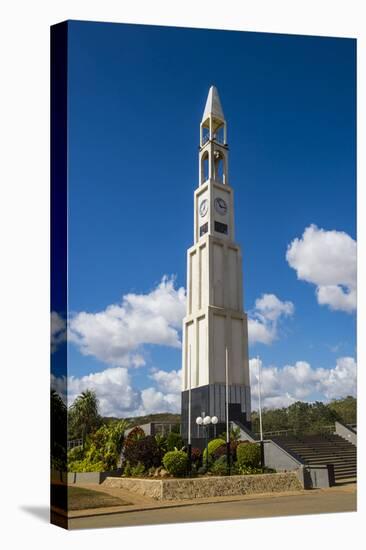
(205, 421)
(214, 421)
(199, 422)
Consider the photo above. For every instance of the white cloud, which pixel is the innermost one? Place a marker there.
(155, 401)
(166, 396)
(112, 387)
(326, 259)
(280, 387)
(337, 298)
(118, 397)
(263, 320)
(117, 335)
(58, 331)
(341, 380)
(170, 382)
(300, 382)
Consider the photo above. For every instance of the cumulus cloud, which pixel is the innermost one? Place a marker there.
(326, 259)
(155, 401)
(58, 331)
(112, 387)
(118, 397)
(117, 334)
(166, 396)
(300, 382)
(170, 382)
(263, 320)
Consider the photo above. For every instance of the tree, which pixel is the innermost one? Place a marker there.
(102, 449)
(346, 408)
(58, 432)
(321, 415)
(307, 417)
(84, 417)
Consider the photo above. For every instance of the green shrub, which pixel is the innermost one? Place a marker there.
(196, 455)
(234, 434)
(127, 469)
(161, 443)
(220, 451)
(174, 441)
(247, 470)
(213, 445)
(176, 462)
(138, 470)
(144, 450)
(219, 467)
(248, 454)
(85, 466)
(101, 451)
(75, 454)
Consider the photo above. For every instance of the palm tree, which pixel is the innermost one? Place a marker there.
(84, 414)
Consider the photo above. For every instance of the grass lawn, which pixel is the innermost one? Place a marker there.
(82, 499)
(79, 498)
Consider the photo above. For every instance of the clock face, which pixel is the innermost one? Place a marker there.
(220, 206)
(203, 207)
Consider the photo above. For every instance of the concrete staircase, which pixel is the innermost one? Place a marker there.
(323, 449)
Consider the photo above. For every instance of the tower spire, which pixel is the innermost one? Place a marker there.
(213, 106)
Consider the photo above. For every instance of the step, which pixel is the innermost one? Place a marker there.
(333, 461)
(324, 451)
(335, 457)
(329, 455)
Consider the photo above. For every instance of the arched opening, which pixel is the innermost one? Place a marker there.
(205, 171)
(219, 134)
(205, 134)
(219, 167)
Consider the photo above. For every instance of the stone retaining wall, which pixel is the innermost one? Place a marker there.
(175, 489)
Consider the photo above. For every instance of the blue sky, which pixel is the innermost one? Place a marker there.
(136, 98)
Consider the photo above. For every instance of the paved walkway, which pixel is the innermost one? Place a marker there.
(146, 511)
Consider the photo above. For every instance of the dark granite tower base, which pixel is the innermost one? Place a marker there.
(211, 400)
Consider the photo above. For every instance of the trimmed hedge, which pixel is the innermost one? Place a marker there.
(176, 462)
(213, 445)
(248, 455)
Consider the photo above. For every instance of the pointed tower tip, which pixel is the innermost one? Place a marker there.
(213, 105)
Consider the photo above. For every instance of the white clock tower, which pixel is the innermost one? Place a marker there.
(215, 326)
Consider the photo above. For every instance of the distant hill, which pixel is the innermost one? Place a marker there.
(138, 420)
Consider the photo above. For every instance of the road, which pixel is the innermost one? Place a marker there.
(336, 499)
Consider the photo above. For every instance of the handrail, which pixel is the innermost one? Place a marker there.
(329, 428)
